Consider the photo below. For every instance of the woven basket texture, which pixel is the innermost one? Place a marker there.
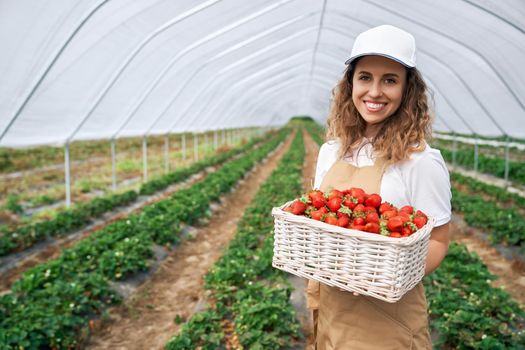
(369, 264)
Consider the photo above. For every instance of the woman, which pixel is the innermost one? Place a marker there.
(378, 127)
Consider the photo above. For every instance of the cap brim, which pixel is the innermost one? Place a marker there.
(406, 64)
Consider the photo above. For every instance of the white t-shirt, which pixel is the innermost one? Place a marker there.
(422, 181)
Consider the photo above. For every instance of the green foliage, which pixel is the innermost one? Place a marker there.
(51, 304)
(467, 311)
(505, 225)
(203, 331)
(12, 204)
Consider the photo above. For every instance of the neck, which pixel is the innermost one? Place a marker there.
(372, 130)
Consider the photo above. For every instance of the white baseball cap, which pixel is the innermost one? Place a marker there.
(387, 41)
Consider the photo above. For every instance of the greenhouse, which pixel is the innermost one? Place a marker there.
(271, 174)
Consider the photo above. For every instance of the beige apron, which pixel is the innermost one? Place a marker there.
(343, 321)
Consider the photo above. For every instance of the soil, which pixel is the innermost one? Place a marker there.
(175, 291)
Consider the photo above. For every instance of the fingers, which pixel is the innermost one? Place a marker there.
(354, 293)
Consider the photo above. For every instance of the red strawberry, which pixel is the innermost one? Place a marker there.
(395, 224)
(407, 209)
(357, 227)
(404, 214)
(360, 221)
(360, 208)
(373, 200)
(317, 198)
(343, 221)
(372, 227)
(420, 213)
(370, 209)
(406, 231)
(298, 207)
(335, 194)
(317, 215)
(389, 214)
(349, 201)
(385, 206)
(372, 217)
(334, 204)
(419, 221)
(331, 219)
(358, 193)
(395, 235)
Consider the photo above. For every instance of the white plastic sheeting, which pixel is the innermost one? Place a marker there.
(92, 69)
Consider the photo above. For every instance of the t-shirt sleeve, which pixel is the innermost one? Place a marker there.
(325, 159)
(429, 187)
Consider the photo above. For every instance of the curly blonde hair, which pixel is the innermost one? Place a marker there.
(400, 135)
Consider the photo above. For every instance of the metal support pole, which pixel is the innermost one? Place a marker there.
(205, 143)
(67, 168)
(113, 166)
(184, 147)
(454, 150)
(195, 148)
(166, 153)
(476, 153)
(507, 163)
(145, 158)
(215, 140)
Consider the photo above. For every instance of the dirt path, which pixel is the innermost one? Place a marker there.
(146, 320)
(511, 277)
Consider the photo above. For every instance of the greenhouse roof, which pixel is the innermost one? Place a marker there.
(94, 69)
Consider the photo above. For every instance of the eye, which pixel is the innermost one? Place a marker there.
(390, 81)
(364, 77)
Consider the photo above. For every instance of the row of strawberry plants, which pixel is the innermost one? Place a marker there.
(494, 192)
(489, 165)
(466, 311)
(244, 286)
(23, 237)
(505, 225)
(315, 131)
(51, 304)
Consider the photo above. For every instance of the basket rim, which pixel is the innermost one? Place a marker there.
(278, 212)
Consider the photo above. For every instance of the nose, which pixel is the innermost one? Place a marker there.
(375, 89)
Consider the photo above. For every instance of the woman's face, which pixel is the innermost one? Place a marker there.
(378, 85)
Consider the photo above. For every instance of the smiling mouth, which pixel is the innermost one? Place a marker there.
(374, 107)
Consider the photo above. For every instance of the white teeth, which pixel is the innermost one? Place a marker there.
(374, 105)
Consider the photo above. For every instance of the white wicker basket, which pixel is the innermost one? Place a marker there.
(370, 264)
